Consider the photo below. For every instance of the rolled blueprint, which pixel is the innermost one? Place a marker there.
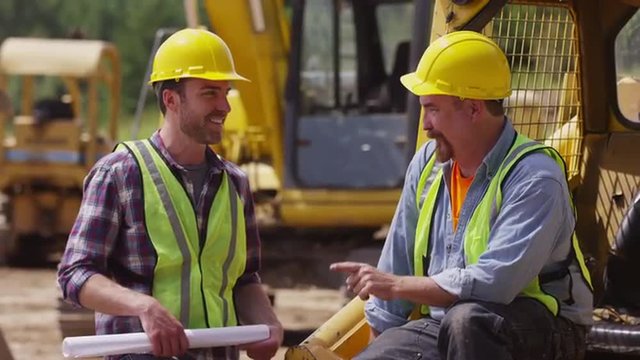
(137, 343)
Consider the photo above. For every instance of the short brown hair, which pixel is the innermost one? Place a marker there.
(173, 85)
(494, 107)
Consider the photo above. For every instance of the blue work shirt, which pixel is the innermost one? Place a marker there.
(530, 235)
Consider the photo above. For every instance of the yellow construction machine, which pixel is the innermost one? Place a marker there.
(324, 130)
(576, 82)
(59, 103)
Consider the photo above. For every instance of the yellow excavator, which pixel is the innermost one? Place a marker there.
(325, 131)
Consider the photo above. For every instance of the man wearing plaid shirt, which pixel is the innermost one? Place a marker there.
(166, 237)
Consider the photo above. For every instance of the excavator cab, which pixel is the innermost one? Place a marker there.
(61, 104)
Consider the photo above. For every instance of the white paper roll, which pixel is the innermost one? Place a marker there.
(136, 343)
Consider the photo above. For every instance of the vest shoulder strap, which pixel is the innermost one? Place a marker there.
(128, 144)
(427, 173)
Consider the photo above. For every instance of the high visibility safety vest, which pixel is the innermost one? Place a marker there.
(476, 235)
(195, 273)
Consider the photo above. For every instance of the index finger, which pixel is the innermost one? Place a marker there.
(347, 266)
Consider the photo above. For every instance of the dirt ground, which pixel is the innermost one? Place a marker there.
(29, 321)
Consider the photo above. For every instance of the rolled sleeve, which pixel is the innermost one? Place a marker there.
(455, 281)
(74, 283)
(380, 317)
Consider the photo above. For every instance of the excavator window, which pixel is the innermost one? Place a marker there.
(353, 55)
(393, 29)
(46, 110)
(44, 98)
(350, 109)
(328, 78)
(627, 58)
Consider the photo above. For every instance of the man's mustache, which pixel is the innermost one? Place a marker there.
(216, 114)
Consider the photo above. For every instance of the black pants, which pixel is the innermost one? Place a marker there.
(522, 330)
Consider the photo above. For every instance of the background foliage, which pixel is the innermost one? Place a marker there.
(130, 24)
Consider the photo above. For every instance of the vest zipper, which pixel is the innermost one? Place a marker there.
(204, 300)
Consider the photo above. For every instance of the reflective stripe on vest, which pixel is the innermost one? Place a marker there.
(193, 277)
(477, 232)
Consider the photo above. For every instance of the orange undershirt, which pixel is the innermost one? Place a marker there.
(459, 187)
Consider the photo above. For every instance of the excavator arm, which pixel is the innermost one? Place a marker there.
(257, 32)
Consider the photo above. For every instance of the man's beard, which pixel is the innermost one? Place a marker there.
(198, 130)
(444, 151)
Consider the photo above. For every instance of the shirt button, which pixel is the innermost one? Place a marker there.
(448, 248)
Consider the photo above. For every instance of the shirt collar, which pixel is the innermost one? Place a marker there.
(492, 161)
(211, 157)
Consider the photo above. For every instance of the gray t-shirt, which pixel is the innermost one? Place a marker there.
(197, 174)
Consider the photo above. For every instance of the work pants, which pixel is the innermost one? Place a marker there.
(522, 330)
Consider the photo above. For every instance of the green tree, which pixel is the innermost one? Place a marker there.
(131, 25)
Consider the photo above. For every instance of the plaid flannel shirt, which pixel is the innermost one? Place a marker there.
(109, 236)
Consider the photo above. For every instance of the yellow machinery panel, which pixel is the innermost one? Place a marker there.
(54, 135)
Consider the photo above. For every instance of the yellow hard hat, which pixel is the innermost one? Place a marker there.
(194, 53)
(465, 64)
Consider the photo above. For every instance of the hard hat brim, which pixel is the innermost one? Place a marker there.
(419, 87)
(212, 77)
